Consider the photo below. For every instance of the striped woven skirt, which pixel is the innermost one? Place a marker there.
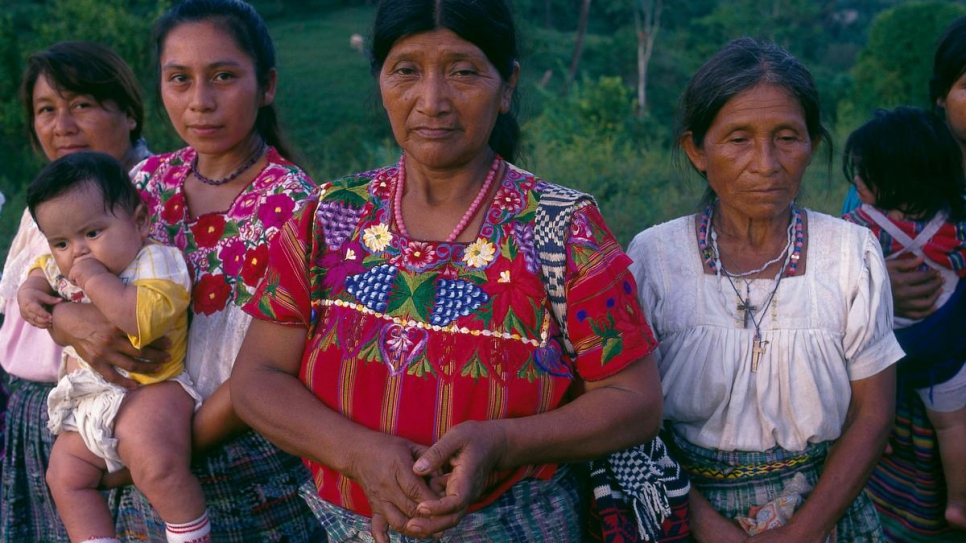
(251, 490)
(531, 511)
(735, 481)
(907, 485)
(27, 511)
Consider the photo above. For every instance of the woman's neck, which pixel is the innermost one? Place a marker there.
(217, 166)
(444, 186)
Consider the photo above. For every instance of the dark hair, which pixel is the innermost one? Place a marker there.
(83, 67)
(247, 27)
(486, 24)
(739, 66)
(949, 63)
(910, 161)
(69, 172)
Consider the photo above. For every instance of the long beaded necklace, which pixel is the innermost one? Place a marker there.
(467, 217)
(241, 169)
(791, 253)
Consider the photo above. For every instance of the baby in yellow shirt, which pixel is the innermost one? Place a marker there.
(97, 229)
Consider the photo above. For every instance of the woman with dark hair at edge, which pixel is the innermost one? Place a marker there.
(404, 343)
(908, 485)
(220, 200)
(76, 96)
(775, 322)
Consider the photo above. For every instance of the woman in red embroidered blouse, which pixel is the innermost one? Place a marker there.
(403, 342)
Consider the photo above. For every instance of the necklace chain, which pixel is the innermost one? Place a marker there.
(257, 154)
(791, 253)
(467, 217)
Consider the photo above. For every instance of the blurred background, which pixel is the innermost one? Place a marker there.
(599, 87)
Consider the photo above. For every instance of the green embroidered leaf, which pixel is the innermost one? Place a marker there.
(414, 297)
(611, 348)
(528, 371)
(231, 229)
(370, 352)
(475, 368)
(421, 369)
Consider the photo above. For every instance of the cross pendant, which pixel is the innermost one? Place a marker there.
(757, 349)
(747, 308)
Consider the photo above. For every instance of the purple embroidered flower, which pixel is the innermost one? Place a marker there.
(275, 210)
(340, 263)
(232, 256)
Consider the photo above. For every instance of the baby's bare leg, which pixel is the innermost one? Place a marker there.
(153, 430)
(951, 434)
(73, 475)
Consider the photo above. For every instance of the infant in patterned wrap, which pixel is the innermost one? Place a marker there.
(97, 229)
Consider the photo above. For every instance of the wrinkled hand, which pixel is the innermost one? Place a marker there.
(914, 292)
(383, 467)
(104, 347)
(33, 306)
(468, 454)
(82, 270)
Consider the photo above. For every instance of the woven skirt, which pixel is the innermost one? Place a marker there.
(531, 511)
(734, 481)
(251, 490)
(907, 485)
(27, 511)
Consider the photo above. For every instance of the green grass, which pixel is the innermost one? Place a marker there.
(327, 98)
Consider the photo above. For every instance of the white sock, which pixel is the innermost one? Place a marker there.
(196, 531)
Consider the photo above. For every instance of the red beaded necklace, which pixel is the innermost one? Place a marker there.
(467, 217)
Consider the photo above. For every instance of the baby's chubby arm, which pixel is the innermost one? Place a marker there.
(117, 301)
(34, 294)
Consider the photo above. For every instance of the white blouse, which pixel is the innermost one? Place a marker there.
(824, 328)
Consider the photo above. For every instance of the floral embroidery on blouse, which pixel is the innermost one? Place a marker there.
(227, 252)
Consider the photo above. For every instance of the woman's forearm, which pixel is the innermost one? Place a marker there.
(612, 414)
(267, 394)
(853, 456)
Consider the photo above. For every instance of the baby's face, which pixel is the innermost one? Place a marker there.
(77, 227)
(865, 193)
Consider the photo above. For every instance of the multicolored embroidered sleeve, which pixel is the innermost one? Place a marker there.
(605, 320)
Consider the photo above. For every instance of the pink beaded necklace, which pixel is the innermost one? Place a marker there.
(467, 217)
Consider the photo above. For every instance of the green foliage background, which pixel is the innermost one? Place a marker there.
(863, 53)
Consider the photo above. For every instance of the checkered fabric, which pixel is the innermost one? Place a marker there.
(643, 477)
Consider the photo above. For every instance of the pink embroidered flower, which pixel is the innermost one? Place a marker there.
(210, 294)
(382, 186)
(150, 202)
(208, 230)
(232, 257)
(244, 207)
(418, 254)
(255, 261)
(276, 209)
(508, 200)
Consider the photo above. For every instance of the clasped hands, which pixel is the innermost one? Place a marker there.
(422, 491)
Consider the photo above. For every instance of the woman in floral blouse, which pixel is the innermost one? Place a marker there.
(221, 200)
(404, 343)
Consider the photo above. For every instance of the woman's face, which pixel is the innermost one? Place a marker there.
(755, 152)
(443, 97)
(210, 89)
(67, 123)
(955, 105)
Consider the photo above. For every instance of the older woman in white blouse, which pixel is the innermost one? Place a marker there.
(775, 323)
